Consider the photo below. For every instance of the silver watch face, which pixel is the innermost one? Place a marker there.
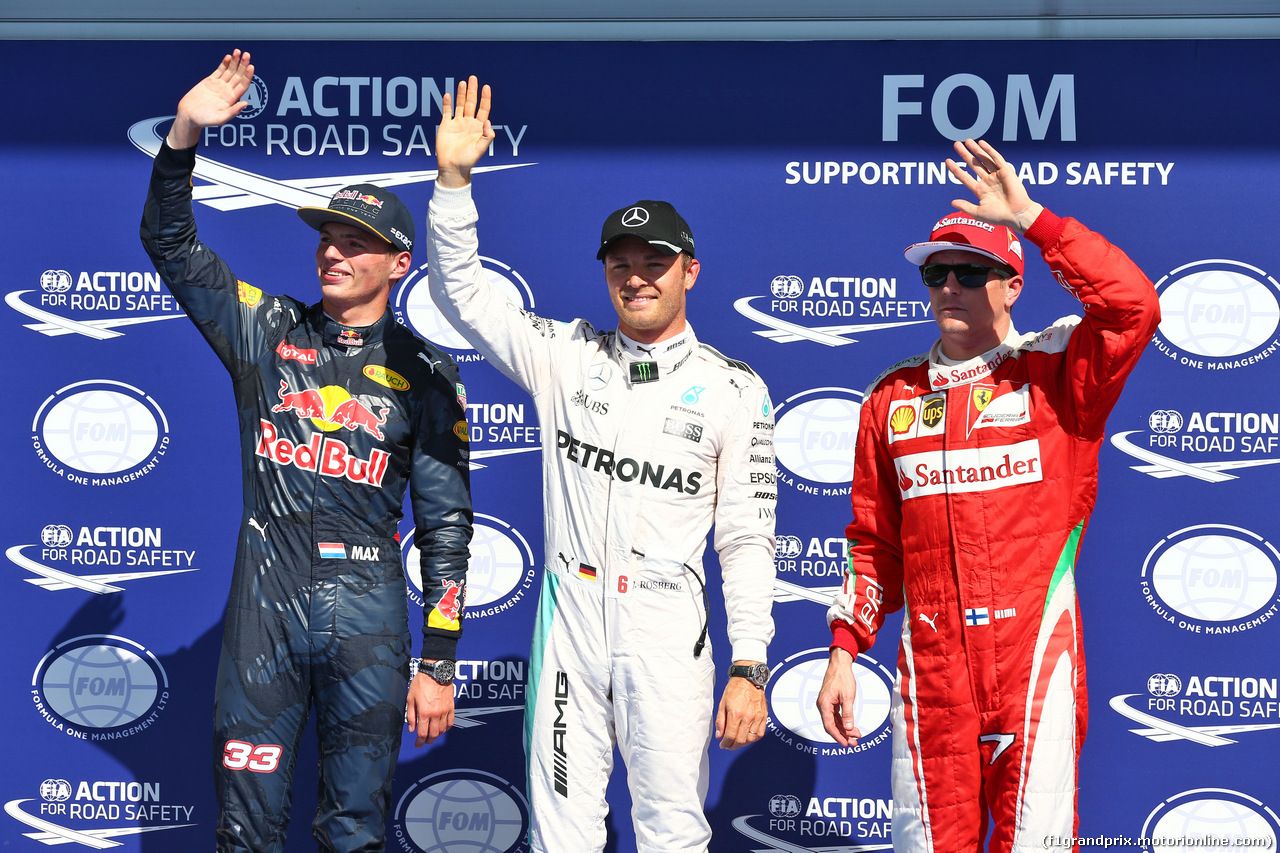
(756, 673)
(441, 670)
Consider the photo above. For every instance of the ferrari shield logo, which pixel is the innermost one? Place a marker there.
(982, 396)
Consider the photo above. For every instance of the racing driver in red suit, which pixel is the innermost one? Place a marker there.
(975, 472)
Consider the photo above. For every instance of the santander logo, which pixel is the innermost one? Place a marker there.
(977, 469)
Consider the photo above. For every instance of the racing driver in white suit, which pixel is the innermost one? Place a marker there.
(648, 438)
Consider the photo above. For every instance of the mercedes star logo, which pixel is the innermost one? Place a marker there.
(635, 217)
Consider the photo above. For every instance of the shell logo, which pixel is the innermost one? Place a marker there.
(902, 419)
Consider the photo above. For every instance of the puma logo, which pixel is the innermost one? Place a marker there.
(929, 620)
(261, 528)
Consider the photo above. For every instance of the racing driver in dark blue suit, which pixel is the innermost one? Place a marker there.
(340, 408)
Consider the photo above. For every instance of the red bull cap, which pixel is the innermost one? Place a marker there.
(371, 208)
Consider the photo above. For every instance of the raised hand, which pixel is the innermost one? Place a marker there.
(464, 134)
(1002, 199)
(213, 101)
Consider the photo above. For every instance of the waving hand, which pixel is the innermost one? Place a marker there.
(464, 134)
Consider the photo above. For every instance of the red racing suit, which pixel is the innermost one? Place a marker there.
(972, 487)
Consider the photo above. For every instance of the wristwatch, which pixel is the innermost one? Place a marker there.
(756, 673)
(441, 670)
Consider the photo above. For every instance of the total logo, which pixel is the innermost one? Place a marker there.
(1212, 579)
(73, 813)
(1218, 315)
(93, 304)
(1215, 820)
(99, 687)
(461, 809)
(415, 308)
(64, 554)
(499, 574)
(813, 439)
(100, 433)
(1205, 446)
(862, 823)
(1205, 711)
(796, 311)
(793, 695)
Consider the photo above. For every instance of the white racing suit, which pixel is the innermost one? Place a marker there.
(635, 473)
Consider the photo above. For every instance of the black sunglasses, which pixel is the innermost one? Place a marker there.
(969, 275)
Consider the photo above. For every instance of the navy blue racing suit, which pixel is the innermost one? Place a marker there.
(335, 421)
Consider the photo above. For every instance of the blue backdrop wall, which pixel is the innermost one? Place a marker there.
(804, 169)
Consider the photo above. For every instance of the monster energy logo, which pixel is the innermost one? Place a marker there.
(644, 371)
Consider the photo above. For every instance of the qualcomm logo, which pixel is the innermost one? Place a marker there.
(1227, 700)
(98, 801)
(99, 687)
(100, 433)
(813, 440)
(871, 301)
(1174, 444)
(1218, 315)
(1216, 578)
(98, 546)
(499, 573)
(1214, 820)
(94, 304)
(793, 696)
(461, 810)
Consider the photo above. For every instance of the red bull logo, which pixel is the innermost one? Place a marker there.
(326, 455)
(446, 613)
(352, 195)
(306, 403)
(353, 414)
(350, 413)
